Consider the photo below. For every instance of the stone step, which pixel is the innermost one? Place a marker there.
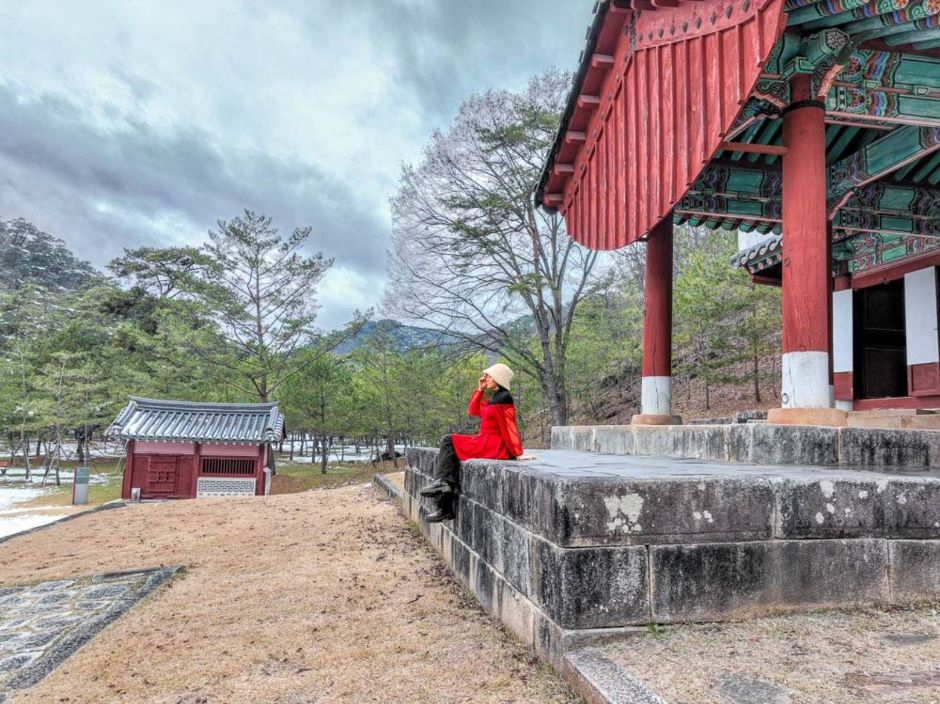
(889, 412)
(756, 443)
(918, 421)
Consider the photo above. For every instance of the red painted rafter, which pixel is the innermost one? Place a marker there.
(680, 77)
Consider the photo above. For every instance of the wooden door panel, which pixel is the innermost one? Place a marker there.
(161, 477)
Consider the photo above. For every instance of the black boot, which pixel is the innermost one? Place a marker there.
(441, 514)
(438, 487)
(444, 509)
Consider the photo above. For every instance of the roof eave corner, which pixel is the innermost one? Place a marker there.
(600, 14)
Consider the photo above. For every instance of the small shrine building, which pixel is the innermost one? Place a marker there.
(186, 450)
(812, 128)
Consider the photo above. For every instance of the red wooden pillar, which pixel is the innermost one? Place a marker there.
(806, 276)
(128, 470)
(656, 398)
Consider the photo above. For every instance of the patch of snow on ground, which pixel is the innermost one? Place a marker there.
(12, 519)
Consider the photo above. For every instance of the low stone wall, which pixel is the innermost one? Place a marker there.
(760, 443)
(574, 548)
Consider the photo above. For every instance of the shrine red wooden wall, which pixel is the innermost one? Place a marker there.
(653, 111)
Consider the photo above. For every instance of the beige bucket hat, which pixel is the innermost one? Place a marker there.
(501, 374)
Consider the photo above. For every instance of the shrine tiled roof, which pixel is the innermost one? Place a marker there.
(151, 419)
(761, 255)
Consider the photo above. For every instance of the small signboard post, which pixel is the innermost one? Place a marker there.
(80, 487)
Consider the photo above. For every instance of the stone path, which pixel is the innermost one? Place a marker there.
(43, 624)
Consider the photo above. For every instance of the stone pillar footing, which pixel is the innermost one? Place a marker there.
(652, 419)
(828, 417)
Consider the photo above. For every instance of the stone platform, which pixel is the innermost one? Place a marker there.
(577, 547)
(762, 443)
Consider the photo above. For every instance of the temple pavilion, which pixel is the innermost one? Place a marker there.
(813, 129)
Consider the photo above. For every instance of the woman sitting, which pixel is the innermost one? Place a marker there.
(498, 439)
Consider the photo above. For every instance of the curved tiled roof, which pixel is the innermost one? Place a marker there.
(769, 249)
(152, 419)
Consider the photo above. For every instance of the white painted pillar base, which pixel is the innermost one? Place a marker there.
(656, 396)
(805, 380)
(844, 405)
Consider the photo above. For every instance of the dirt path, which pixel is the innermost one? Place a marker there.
(325, 596)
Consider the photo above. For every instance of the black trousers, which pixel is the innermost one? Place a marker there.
(447, 466)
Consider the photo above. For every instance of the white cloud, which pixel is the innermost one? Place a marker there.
(144, 122)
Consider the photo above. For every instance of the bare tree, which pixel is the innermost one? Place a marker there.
(472, 255)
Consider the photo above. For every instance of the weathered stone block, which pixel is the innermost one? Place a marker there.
(460, 561)
(915, 570)
(583, 437)
(517, 613)
(706, 442)
(465, 522)
(755, 443)
(829, 417)
(593, 587)
(514, 554)
(562, 437)
(868, 447)
(614, 440)
(573, 437)
(831, 508)
(731, 581)
(481, 480)
(528, 498)
(601, 511)
(913, 507)
(483, 583)
(421, 458)
(695, 442)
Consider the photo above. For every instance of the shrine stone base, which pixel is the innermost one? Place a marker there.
(762, 443)
(575, 548)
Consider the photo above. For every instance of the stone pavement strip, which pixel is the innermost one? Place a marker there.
(600, 680)
(43, 624)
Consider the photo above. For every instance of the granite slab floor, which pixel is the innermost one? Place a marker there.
(42, 624)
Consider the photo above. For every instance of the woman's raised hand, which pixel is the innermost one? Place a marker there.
(481, 383)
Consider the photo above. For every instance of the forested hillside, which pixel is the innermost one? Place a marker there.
(31, 257)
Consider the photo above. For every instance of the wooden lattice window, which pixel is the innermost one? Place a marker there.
(227, 465)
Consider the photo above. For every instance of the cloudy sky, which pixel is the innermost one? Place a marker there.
(141, 123)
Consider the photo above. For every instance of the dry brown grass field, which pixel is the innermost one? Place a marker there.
(320, 596)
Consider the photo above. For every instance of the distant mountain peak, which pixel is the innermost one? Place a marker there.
(403, 337)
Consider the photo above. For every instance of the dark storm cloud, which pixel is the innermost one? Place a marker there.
(104, 190)
(448, 49)
(147, 128)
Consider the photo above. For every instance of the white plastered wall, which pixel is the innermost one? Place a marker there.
(920, 312)
(842, 340)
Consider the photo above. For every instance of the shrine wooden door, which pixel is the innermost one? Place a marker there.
(880, 342)
(162, 476)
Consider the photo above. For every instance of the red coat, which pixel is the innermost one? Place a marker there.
(498, 438)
